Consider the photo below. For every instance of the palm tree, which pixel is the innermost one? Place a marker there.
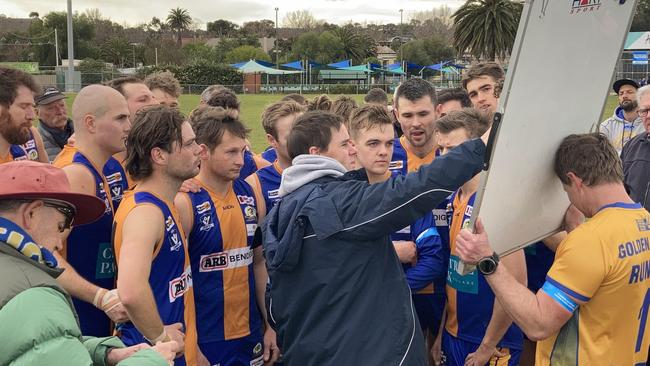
(486, 28)
(356, 45)
(179, 20)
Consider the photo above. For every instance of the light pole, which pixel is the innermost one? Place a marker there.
(401, 39)
(275, 49)
(69, 83)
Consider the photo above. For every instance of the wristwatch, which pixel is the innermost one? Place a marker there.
(487, 265)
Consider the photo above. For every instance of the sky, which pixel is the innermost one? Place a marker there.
(237, 11)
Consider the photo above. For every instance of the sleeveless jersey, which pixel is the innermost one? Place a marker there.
(31, 151)
(268, 184)
(88, 248)
(270, 155)
(470, 299)
(170, 278)
(538, 261)
(16, 153)
(221, 256)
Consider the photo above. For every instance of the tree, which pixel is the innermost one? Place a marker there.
(486, 28)
(302, 19)
(641, 20)
(199, 52)
(33, 15)
(322, 47)
(179, 20)
(259, 28)
(427, 51)
(118, 51)
(245, 53)
(356, 46)
(222, 28)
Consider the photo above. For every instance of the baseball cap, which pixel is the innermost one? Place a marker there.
(619, 83)
(33, 180)
(48, 96)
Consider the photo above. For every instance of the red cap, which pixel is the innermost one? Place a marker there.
(34, 180)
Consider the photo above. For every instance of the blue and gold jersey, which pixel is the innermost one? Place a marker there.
(30, 148)
(252, 163)
(538, 261)
(267, 181)
(270, 155)
(221, 256)
(604, 264)
(88, 247)
(470, 299)
(170, 277)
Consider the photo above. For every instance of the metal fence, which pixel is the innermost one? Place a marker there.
(625, 68)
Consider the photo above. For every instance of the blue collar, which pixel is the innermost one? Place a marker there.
(17, 238)
(629, 206)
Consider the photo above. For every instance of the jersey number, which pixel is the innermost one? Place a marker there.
(643, 317)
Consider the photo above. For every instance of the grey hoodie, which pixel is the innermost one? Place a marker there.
(306, 168)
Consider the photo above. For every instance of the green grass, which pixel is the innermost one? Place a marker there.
(252, 106)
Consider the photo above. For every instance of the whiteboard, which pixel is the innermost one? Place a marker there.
(560, 73)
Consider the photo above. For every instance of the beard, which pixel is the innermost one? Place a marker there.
(12, 133)
(629, 106)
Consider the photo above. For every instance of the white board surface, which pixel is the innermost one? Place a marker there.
(558, 80)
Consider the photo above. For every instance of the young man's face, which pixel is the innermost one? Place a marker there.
(184, 159)
(138, 96)
(15, 121)
(282, 128)
(417, 119)
(448, 141)
(447, 107)
(375, 148)
(113, 127)
(340, 148)
(165, 98)
(226, 159)
(481, 93)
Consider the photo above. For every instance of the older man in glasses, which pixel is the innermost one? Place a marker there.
(39, 326)
(636, 154)
(101, 122)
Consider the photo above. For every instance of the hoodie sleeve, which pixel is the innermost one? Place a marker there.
(369, 211)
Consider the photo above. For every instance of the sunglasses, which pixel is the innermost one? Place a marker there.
(66, 210)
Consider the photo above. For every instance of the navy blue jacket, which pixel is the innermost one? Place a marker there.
(338, 295)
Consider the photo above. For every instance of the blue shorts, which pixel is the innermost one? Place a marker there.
(456, 350)
(246, 351)
(429, 308)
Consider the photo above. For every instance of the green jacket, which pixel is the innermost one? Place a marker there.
(39, 324)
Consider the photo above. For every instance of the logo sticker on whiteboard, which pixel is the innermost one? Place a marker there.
(584, 6)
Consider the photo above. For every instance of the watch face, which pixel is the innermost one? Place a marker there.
(487, 265)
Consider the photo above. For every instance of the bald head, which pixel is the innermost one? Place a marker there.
(93, 100)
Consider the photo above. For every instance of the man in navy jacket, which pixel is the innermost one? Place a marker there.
(337, 293)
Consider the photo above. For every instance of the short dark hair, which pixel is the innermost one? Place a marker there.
(377, 96)
(484, 69)
(313, 128)
(470, 119)
(415, 89)
(368, 116)
(118, 83)
(343, 107)
(298, 98)
(224, 98)
(589, 156)
(211, 123)
(154, 127)
(278, 110)
(10, 80)
(458, 94)
(321, 103)
(164, 81)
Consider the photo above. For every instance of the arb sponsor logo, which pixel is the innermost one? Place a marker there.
(229, 259)
(179, 285)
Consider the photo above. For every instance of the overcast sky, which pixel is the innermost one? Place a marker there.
(238, 11)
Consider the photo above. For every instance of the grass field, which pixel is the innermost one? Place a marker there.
(252, 106)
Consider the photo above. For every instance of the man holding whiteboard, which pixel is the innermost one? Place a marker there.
(593, 307)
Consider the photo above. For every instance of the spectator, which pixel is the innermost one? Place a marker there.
(38, 320)
(636, 155)
(376, 96)
(54, 125)
(625, 123)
